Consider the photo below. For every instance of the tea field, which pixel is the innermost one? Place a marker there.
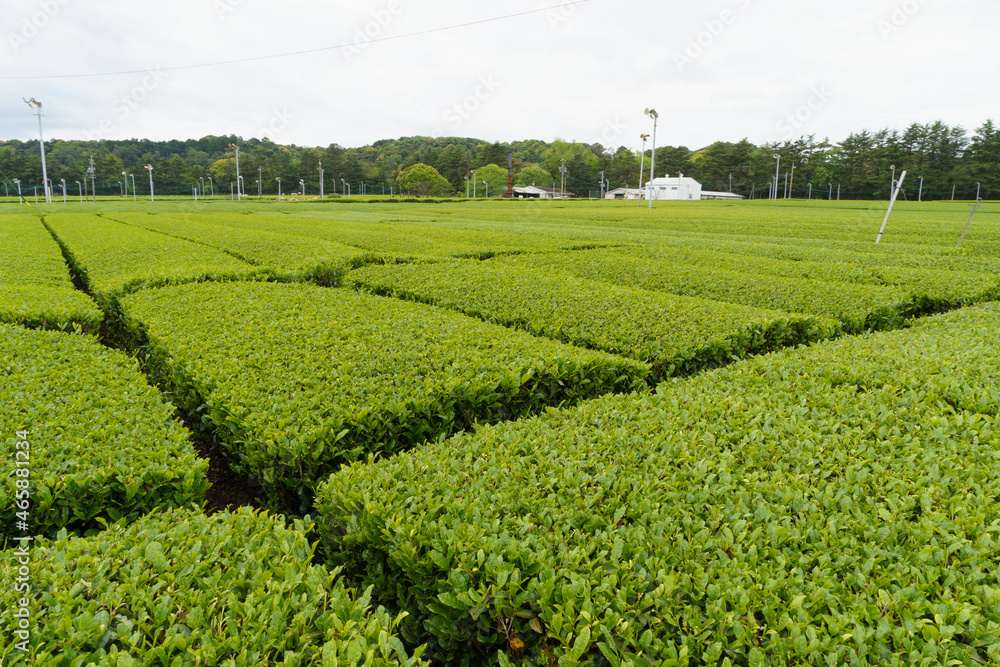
(500, 433)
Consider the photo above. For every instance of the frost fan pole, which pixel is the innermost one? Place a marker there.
(969, 221)
(895, 193)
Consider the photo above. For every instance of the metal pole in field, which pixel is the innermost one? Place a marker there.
(969, 221)
(194, 189)
(642, 165)
(786, 186)
(320, 179)
(63, 181)
(211, 185)
(37, 107)
(810, 191)
(78, 187)
(133, 186)
(829, 197)
(791, 182)
(953, 191)
(777, 175)
(838, 191)
(125, 191)
(150, 168)
(652, 162)
(895, 193)
(93, 179)
(920, 194)
(279, 187)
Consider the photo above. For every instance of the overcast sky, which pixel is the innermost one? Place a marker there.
(714, 70)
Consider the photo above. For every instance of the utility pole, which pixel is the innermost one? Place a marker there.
(652, 162)
(238, 194)
(642, 165)
(562, 178)
(791, 182)
(93, 179)
(920, 194)
(320, 169)
(602, 185)
(37, 107)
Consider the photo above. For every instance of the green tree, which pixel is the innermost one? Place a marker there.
(495, 176)
(533, 175)
(424, 180)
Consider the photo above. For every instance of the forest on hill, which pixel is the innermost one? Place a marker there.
(942, 161)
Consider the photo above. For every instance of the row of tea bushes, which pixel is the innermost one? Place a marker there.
(289, 258)
(857, 307)
(35, 286)
(676, 335)
(181, 588)
(296, 380)
(101, 443)
(113, 259)
(838, 504)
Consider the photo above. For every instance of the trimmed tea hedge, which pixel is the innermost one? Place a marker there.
(113, 259)
(102, 443)
(838, 504)
(857, 307)
(297, 379)
(35, 287)
(183, 588)
(289, 258)
(677, 335)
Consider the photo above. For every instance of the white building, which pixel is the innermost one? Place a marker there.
(624, 193)
(535, 191)
(682, 187)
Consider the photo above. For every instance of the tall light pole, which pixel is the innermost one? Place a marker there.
(892, 185)
(302, 184)
(93, 179)
(343, 186)
(202, 179)
(466, 187)
(473, 184)
(63, 181)
(260, 182)
(260, 195)
(80, 188)
(642, 165)
(279, 188)
(211, 185)
(238, 194)
(133, 186)
(37, 107)
(602, 185)
(125, 190)
(487, 189)
(652, 162)
(320, 169)
(149, 168)
(791, 183)
(20, 199)
(777, 169)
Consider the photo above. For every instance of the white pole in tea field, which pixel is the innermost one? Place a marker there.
(474, 184)
(652, 162)
(893, 183)
(920, 194)
(80, 188)
(953, 186)
(971, 216)
(895, 193)
(302, 184)
(63, 181)
(830, 196)
(810, 191)
(37, 107)
(320, 168)
(211, 185)
(149, 168)
(202, 178)
(642, 165)
(20, 199)
(487, 189)
(125, 190)
(777, 174)
(194, 189)
(279, 188)
(791, 182)
(133, 187)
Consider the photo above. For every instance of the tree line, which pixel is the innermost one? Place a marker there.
(942, 161)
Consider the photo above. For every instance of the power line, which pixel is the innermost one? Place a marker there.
(306, 51)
